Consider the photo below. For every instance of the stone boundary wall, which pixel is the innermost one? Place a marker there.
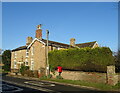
(110, 77)
(118, 76)
(86, 76)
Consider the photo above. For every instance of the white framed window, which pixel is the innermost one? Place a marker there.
(26, 62)
(32, 65)
(32, 50)
(27, 53)
(15, 64)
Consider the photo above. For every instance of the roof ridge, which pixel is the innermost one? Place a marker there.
(56, 42)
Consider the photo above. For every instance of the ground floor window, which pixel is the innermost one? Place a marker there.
(15, 64)
(26, 63)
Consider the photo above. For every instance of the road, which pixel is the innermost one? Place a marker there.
(12, 88)
(45, 87)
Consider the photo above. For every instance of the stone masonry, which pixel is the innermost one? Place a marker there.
(112, 77)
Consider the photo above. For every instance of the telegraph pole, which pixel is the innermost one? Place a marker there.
(47, 65)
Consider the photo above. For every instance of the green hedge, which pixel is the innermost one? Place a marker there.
(85, 59)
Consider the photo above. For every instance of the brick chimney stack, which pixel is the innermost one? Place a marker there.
(72, 41)
(29, 40)
(39, 32)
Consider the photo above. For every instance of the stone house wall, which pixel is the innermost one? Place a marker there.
(17, 56)
(38, 57)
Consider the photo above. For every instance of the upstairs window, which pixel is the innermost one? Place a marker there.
(32, 50)
(27, 53)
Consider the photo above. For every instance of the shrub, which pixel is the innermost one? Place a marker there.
(52, 69)
(35, 73)
(43, 77)
(85, 59)
(41, 72)
(23, 69)
(49, 76)
(59, 77)
(30, 73)
(46, 77)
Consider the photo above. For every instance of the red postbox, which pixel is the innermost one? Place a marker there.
(59, 69)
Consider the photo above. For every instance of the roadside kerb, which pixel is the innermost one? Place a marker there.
(37, 79)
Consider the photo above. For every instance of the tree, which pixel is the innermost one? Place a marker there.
(6, 59)
(117, 61)
(1, 55)
(1, 51)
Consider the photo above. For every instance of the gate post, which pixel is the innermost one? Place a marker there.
(112, 78)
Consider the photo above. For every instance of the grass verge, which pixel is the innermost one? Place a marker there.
(100, 86)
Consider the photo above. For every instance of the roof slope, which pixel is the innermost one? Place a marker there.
(57, 44)
(88, 44)
(20, 48)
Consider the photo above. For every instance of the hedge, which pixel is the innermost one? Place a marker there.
(85, 59)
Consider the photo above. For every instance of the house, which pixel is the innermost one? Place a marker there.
(33, 54)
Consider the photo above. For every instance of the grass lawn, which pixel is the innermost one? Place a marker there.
(101, 86)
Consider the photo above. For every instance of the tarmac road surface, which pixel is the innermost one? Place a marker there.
(46, 87)
(12, 88)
